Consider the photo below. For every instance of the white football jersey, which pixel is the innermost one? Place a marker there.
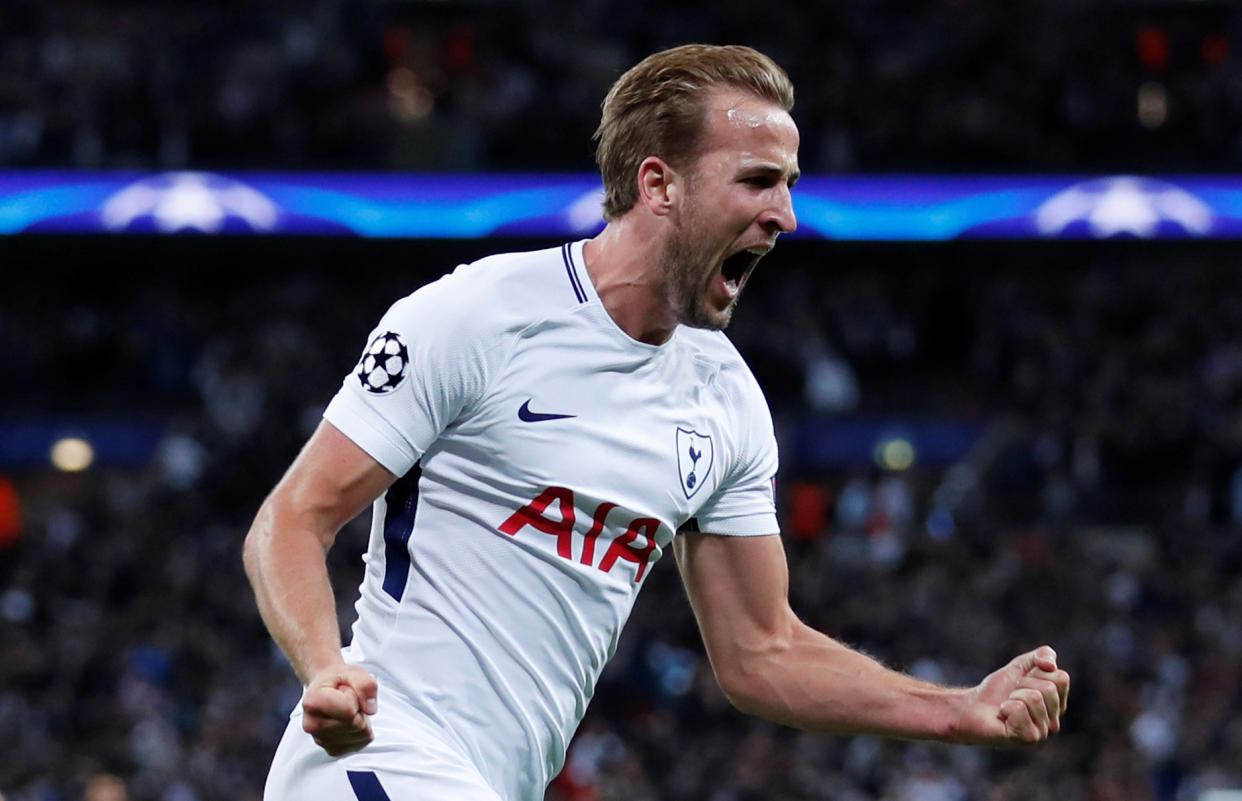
(547, 461)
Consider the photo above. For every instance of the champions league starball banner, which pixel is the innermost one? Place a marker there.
(444, 206)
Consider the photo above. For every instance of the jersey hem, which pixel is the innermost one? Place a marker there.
(742, 527)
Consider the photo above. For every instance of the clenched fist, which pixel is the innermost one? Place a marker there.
(1021, 703)
(337, 706)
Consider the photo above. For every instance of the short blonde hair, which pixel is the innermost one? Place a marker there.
(657, 109)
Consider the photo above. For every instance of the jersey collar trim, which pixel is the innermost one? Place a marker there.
(571, 268)
(584, 290)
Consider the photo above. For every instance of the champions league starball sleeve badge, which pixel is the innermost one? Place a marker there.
(384, 364)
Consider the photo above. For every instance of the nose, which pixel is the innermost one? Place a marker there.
(780, 217)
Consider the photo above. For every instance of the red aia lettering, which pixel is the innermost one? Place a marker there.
(597, 525)
(532, 515)
(623, 547)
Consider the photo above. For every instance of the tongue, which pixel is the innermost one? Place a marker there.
(735, 266)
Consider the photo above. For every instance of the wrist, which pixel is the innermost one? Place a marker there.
(310, 669)
(947, 720)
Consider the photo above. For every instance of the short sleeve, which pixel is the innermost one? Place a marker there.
(744, 504)
(423, 365)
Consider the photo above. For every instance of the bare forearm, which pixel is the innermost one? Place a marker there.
(814, 682)
(287, 570)
(770, 664)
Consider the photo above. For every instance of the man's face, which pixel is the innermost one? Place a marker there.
(736, 202)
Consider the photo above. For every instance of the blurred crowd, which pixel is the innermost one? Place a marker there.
(936, 85)
(1099, 512)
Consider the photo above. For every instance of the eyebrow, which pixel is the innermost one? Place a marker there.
(769, 171)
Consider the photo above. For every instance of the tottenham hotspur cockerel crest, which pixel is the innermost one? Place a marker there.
(384, 364)
(694, 460)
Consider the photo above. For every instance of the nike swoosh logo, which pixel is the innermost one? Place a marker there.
(527, 416)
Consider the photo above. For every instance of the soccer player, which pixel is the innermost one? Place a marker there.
(533, 432)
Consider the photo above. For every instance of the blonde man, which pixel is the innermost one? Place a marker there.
(533, 432)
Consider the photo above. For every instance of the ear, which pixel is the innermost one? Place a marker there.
(659, 186)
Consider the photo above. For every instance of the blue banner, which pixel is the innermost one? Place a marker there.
(857, 208)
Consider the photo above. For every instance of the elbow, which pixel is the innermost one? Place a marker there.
(749, 679)
(741, 696)
(745, 693)
(250, 554)
(256, 540)
(282, 526)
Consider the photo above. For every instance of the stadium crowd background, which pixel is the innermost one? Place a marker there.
(516, 84)
(1100, 511)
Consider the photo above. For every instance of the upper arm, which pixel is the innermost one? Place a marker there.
(329, 483)
(739, 590)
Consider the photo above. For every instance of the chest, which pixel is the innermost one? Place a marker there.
(647, 431)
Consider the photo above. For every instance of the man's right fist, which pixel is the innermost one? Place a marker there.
(337, 706)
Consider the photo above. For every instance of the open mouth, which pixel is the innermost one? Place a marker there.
(737, 268)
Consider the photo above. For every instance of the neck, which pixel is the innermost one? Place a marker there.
(624, 265)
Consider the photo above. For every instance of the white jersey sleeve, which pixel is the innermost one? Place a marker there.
(423, 365)
(744, 503)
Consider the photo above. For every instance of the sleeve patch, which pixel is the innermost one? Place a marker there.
(384, 364)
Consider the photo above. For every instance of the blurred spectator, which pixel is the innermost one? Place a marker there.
(105, 787)
(10, 514)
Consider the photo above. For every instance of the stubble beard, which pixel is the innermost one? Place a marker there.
(688, 269)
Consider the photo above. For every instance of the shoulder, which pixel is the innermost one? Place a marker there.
(730, 371)
(504, 291)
